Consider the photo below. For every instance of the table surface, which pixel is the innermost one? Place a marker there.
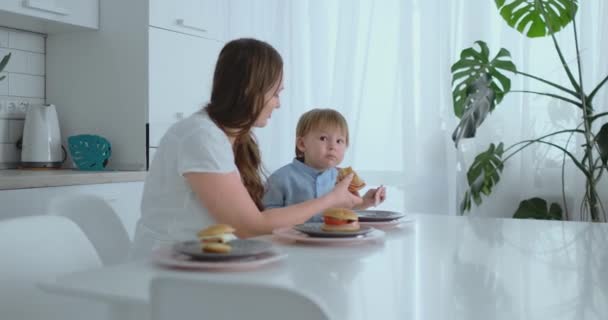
(438, 267)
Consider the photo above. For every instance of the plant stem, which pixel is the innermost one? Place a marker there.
(592, 94)
(566, 213)
(576, 86)
(539, 140)
(599, 115)
(555, 85)
(587, 114)
(543, 137)
(556, 96)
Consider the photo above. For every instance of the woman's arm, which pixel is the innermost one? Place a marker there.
(228, 201)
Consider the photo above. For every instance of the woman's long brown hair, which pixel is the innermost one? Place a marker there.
(246, 69)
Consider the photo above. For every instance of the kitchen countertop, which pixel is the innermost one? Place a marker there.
(35, 178)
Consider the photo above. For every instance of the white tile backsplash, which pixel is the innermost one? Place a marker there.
(24, 62)
(4, 131)
(24, 85)
(3, 38)
(26, 41)
(9, 155)
(4, 84)
(15, 130)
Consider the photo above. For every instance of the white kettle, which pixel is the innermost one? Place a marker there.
(41, 145)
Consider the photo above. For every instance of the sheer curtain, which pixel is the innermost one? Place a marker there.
(386, 66)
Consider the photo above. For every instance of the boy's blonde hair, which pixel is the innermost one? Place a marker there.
(320, 119)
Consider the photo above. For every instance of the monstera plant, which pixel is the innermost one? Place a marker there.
(480, 83)
(3, 64)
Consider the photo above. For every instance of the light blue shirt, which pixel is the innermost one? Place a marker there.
(297, 182)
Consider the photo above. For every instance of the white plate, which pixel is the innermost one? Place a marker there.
(372, 215)
(241, 248)
(315, 229)
(166, 257)
(388, 224)
(291, 234)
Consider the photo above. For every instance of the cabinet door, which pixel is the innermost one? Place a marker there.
(124, 198)
(202, 18)
(83, 13)
(181, 71)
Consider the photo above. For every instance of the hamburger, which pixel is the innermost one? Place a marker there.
(356, 184)
(340, 219)
(216, 247)
(217, 233)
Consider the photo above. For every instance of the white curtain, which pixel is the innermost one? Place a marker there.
(386, 66)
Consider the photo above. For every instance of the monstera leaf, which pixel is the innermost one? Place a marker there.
(3, 64)
(537, 18)
(483, 175)
(536, 208)
(474, 64)
(602, 142)
(479, 102)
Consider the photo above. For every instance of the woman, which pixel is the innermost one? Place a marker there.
(207, 168)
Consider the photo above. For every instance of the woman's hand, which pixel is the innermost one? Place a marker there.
(342, 198)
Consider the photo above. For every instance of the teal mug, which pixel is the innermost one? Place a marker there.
(90, 152)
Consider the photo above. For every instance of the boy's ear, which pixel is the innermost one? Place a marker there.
(300, 144)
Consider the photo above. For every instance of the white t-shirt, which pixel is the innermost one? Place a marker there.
(170, 210)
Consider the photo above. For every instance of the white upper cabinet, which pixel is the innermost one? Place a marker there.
(150, 63)
(50, 16)
(181, 71)
(200, 18)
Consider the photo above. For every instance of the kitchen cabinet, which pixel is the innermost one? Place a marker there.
(138, 74)
(49, 16)
(179, 80)
(123, 197)
(194, 17)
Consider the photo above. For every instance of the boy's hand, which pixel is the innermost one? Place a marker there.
(373, 197)
(343, 197)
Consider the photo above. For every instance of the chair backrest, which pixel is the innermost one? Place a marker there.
(35, 249)
(178, 298)
(98, 221)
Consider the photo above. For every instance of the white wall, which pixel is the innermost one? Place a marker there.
(24, 85)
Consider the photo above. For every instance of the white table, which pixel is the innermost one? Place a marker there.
(441, 267)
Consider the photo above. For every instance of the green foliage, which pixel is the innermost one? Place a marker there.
(478, 103)
(536, 208)
(3, 64)
(483, 175)
(479, 85)
(602, 142)
(474, 64)
(537, 18)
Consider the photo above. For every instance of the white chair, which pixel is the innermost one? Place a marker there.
(175, 299)
(98, 221)
(35, 249)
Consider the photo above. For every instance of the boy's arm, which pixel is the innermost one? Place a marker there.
(274, 196)
(372, 198)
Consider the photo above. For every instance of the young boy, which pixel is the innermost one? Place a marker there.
(321, 140)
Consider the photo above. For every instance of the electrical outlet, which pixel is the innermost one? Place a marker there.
(13, 108)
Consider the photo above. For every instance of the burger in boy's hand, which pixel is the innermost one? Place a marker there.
(340, 219)
(216, 237)
(356, 184)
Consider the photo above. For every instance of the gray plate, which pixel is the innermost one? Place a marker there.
(378, 215)
(313, 229)
(241, 248)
